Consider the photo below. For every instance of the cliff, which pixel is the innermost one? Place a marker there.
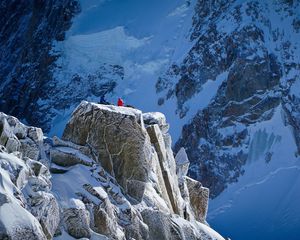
(113, 175)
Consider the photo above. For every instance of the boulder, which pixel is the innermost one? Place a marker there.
(13, 144)
(76, 220)
(158, 118)
(29, 149)
(18, 129)
(45, 208)
(160, 225)
(57, 142)
(164, 226)
(66, 157)
(36, 134)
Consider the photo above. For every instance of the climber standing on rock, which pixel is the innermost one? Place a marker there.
(103, 101)
(120, 102)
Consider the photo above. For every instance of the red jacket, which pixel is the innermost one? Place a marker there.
(120, 102)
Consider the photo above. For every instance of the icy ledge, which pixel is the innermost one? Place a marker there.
(111, 176)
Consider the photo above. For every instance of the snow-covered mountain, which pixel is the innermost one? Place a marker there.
(225, 73)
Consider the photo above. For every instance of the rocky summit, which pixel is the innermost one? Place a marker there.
(112, 175)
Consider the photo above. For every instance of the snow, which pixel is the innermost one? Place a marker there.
(264, 199)
(114, 32)
(9, 163)
(18, 217)
(72, 182)
(84, 53)
(181, 157)
(59, 122)
(213, 235)
(12, 214)
(119, 110)
(179, 11)
(198, 102)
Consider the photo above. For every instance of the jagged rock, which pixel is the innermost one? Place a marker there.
(19, 129)
(199, 197)
(160, 225)
(15, 221)
(67, 157)
(13, 144)
(165, 226)
(105, 221)
(118, 138)
(29, 149)
(77, 220)
(30, 184)
(57, 142)
(158, 118)
(182, 166)
(20, 224)
(5, 132)
(17, 137)
(182, 163)
(171, 183)
(137, 229)
(38, 168)
(46, 210)
(36, 134)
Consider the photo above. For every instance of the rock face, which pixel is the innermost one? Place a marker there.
(28, 209)
(27, 31)
(115, 136)
(113, 176)
(254, 69)
(199, 196)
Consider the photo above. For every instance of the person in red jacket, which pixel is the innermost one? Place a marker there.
(120, 102)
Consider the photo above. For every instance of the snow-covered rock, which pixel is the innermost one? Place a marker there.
(112, 176)
(76, 220)
(182, 163)
(133, 172)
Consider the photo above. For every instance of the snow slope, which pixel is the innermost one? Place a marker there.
(263, 203)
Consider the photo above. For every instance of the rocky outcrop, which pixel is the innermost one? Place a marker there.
(199, 197)
(136, 161)
(28, 209)
(118, 140)
(113, 176)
